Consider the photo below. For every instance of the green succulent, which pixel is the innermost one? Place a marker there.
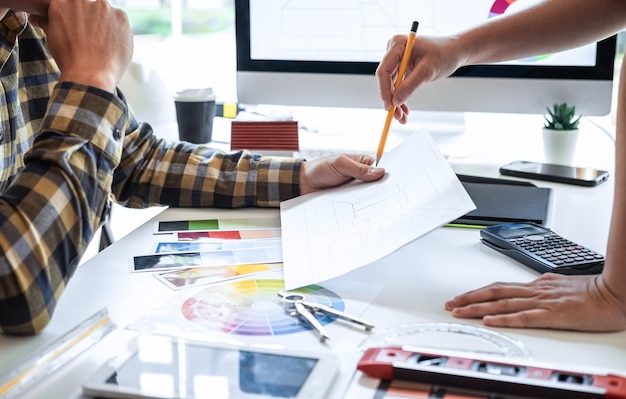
(561, 117)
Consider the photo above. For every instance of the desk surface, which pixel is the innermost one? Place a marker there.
(414, 282)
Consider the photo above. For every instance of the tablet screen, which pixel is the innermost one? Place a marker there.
(165, 369)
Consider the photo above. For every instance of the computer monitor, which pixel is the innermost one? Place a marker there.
(324, 53)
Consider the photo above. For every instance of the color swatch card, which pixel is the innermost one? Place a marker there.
(182, 260)
(245, 234)
(214, 245)
(196, 276)
(166, 227)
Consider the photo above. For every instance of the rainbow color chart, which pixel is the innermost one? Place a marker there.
(253, 308)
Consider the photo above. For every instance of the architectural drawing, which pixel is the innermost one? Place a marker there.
(334, 231)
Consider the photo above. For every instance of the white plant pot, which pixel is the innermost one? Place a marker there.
(559, 146)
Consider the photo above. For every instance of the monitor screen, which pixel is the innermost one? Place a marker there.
(325, 52)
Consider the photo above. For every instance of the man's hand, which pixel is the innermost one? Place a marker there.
(91, 41)
(583, 303)
(332, 171)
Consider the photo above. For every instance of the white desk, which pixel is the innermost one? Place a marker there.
(415, 281)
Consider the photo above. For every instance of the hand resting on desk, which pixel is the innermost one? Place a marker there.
(583, 303)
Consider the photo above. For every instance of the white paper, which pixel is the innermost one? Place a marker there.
(331, 232)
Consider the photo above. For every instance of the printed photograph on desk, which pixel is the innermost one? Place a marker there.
(249, 310)
(174, 226)
(184, 260)
(215, 245)
(196, 276)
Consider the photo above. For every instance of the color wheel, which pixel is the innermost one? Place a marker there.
(253, 308)
(498, 8)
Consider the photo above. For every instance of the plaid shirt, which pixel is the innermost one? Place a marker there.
(66, 149)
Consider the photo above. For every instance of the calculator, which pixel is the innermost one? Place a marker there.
(542, 249)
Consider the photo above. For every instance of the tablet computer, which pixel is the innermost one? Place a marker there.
(166, 367)
(505, 201)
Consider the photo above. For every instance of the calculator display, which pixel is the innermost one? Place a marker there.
(517, 230)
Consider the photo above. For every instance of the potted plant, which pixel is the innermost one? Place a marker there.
(560, 133)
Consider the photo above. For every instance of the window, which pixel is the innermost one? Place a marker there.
(189, 43)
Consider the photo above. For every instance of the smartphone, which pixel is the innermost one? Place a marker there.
(541, 249)
(579, 176)
(168, 367)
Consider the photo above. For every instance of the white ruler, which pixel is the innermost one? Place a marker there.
(45, 361)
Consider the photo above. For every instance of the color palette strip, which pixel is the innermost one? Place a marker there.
(214, 245)
(253, 308)
(499, 7)
(229, 234)
(216, 224)
(180, 260)
(196, 276)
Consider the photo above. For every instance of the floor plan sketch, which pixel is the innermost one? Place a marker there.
(334, 231)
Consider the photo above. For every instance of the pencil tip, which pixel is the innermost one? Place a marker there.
(377, 159)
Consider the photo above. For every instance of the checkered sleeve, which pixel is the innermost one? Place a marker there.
(52, 208)
(156, 172)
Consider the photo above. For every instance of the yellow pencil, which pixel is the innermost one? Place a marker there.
(403, 65)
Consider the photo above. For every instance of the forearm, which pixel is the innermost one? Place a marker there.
(614, 276)
(551, 26)
(156, 172)
(56, 202)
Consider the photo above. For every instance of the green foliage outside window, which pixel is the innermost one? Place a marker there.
(158, 21)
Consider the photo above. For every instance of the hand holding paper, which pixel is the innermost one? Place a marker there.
(332, 232)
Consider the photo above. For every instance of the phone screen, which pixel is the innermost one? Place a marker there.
(553, 172)
(561, 170)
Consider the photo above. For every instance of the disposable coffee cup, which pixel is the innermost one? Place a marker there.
(195, 110)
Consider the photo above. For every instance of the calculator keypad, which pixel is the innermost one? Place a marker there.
(556, 249)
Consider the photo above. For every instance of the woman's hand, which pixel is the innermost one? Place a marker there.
(431, 59)
(583, 303)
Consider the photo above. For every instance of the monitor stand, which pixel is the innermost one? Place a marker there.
(446, 128)
(359, 130)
